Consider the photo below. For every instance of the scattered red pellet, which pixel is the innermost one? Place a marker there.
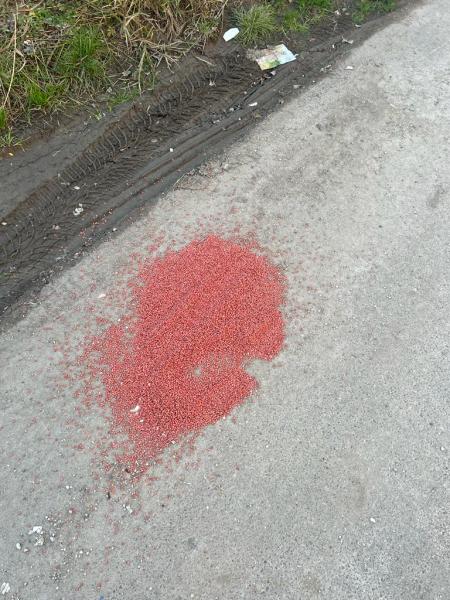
(179, 363)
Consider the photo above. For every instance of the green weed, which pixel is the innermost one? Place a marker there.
(313, 11)
(55, 17)
(41, 96)
(3, 118)
(122, 96)
(315, 5)
(207, 27)
(8, 140)
(293, 22)
(83, 56)
(255, 23)
(367, 7)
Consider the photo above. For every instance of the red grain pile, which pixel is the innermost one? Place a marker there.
(178, 365)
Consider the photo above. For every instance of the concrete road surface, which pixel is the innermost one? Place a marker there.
(331, 482)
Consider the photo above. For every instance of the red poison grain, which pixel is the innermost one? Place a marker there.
(179, 363)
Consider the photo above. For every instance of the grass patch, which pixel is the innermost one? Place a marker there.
(41, 97)
(367, 7)
(122, 96)
(208, 27)
(293, 21)
(313, 11)
(256, 23)
(299, 15)
(315, 5)
(84, 57)
(7, 139)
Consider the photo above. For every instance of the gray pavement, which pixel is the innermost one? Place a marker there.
(331, 482)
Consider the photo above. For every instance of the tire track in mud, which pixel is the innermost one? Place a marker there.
(148, 148)
(40, 226)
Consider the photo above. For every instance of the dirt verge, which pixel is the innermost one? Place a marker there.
(90, 179)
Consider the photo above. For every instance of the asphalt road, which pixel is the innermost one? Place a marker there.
(331, 482)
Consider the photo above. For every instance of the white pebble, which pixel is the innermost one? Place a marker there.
(5, 588)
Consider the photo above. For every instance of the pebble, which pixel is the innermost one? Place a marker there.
(5, 588)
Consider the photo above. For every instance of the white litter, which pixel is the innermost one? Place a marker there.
(349, 68)
(253, 104)
(78, 210)
(36, 529)
(170, 149)
(135, 409)
(269, 58)
(5, 588)
(230, 34)
(345, 41)
(76, 187)
(101, 296)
